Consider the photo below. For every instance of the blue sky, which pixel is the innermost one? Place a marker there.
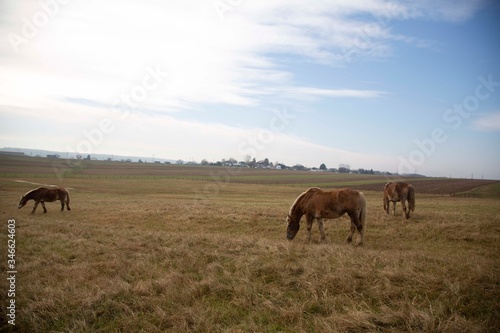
(390, 85)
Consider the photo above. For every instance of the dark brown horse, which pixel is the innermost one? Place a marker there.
(317, 204)
(402, 192)
(44, 194)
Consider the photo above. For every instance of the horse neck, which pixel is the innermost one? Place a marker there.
(296, 211)
(36, 193)
(31, 194)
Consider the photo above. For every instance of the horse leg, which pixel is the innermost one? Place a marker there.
(407, 209)
(361, 231)
(34, 208)
(394, 208)
(44, 208)
(321, 229)
(62, 205)
(403, 205)
(310, 221)
(355, 224)
(348, 240)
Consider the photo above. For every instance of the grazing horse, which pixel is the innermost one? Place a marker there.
(394, 192)
(317, 204)
(44, 194)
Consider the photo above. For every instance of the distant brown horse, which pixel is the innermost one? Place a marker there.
(402, 192)
(44, 194)
(317, 204)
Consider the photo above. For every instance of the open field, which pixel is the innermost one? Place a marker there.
(198, 252)
(59, 169)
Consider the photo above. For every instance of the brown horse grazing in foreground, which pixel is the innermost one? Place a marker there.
(317, 204)
(44, 194)
(394, 192)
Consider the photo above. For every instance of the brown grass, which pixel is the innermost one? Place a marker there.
(56, 169)
(191, 256)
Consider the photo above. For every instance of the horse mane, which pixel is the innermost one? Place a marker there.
(29, 192)
(301, 197)
(51, 187)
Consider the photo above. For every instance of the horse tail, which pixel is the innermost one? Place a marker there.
(386, 196)
(67, 200)
(362, 213)
(386, 200)
(411, 198)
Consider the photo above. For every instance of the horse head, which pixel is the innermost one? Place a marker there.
(22, 202)
(293, 227)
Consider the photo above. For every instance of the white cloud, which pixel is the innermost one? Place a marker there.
(297, 92)
(97, 51)
(291, 150)
(488, 122)
(169, 137)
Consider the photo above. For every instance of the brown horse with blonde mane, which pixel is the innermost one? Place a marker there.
(44, 194)
(317, 204)
(402, 192)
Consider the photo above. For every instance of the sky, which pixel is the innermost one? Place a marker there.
(398, 86)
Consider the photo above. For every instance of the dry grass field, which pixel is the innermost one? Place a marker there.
(178, 255)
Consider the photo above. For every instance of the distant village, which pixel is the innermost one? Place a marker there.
(248, 162)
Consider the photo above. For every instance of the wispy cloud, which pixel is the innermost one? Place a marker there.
(488, 122)
(334, 93)
(456, 11)
(96, 51)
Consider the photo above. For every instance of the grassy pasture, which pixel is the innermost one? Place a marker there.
(209, 255)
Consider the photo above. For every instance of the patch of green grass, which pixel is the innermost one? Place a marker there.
(488, 191)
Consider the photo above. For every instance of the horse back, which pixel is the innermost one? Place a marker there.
(390, 191)
(50, 194)
(402, 189)
(350, 200)
(339, 202)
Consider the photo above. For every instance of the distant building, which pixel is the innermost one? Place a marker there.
(53, 156)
